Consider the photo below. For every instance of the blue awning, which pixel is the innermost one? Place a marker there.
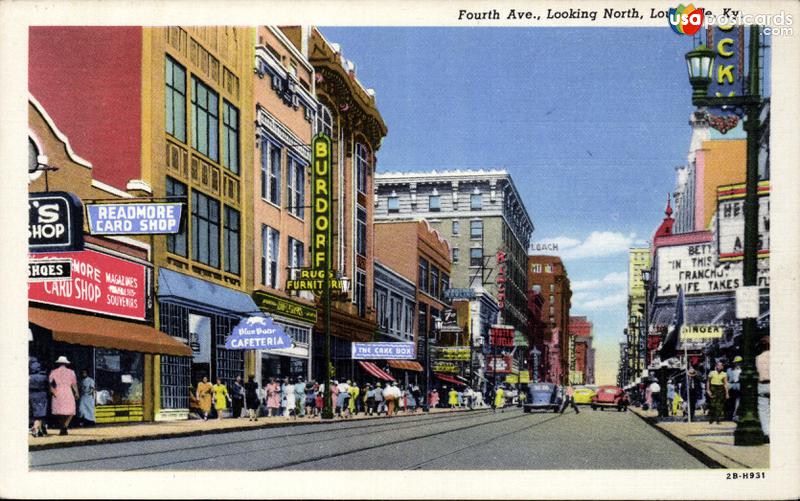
(194, 292)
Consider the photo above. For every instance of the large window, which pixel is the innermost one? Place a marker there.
(361, 293)
(422, 279)
(408, 319)
(475, 201)
(296, 253)
(476, 229)
(205, 120)
(230, 122)
(231, 240)
(361, 230)
(362, 167)
(324, 121)
(296, 187)
(175, 100)
(445, 284)
(271, 172)
(176, 243)
(394, 203)
(434, 290)
(205, 229)
(380, 308)
(270, 252)
(476, 257)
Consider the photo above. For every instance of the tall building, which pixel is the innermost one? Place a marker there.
(348, 113)
(638, 261)
(547, 276)
(172, 118)
(482, 215)
(285, 108)
(581, 352)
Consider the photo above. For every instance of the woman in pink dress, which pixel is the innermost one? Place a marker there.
(64, 390)
(273, 397)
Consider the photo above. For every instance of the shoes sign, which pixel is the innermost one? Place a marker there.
(55, 222)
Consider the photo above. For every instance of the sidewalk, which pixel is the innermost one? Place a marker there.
(710, 443)
(192, 427)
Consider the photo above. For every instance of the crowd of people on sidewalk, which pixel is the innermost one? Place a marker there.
(58, 396)
(716, 396)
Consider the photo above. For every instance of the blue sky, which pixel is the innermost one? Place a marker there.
(590, 122)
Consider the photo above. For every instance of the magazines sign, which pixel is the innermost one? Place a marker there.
(100, 284)
(55, 222)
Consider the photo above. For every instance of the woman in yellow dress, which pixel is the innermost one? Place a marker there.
(204, 389)
(221, 397)
(500, 399)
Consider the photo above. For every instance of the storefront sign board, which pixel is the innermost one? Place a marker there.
(55, 222)
(383, 351)
(258, 333)
(149, 218)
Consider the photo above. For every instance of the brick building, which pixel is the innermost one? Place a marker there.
(547, 276)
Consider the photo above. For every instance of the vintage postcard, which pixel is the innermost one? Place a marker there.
(408, 250)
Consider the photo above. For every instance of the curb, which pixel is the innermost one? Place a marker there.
(691, 449)
(212, 431)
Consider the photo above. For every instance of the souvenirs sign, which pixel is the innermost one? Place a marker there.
(134, 218)
(258, 333)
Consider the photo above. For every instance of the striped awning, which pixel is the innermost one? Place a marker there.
(406, 365)
(449, 379)
(375, 371)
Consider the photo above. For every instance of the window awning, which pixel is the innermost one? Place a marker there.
(188, 290)
(449, 379)
(375, 371)
(406, 365)
(101, 332)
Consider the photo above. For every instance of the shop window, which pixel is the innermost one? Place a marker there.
(205, 120)
(230, 143)
(119, 377)
(175, 100)
(231, 240)
(176, 243)
(205, 229)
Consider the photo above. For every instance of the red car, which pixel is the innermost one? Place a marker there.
(610, 396)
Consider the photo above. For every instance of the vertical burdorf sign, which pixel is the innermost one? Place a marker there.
(55, 222)
(321, 198)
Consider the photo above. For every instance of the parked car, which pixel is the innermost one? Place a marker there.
(545, 396)
(610, 396)
(583, 395)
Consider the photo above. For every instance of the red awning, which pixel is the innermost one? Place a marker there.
(406, 365)
(449, 379)
(375, 371)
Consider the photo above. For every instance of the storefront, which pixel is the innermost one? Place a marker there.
(115, 349)
(297, 320)
(202, 315)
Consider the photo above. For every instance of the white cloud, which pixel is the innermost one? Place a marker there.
(600, 302)
(597, 244)
(612, 279)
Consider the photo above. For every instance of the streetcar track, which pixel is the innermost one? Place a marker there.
(477, 444)
(385, 444)
(414, 420)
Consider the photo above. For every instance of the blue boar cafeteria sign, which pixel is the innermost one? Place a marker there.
(258, 333)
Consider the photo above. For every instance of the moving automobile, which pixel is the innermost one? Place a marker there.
(610, 396)
(583, 395)
(544, 396)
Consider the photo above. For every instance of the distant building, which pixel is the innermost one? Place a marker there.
(638, 261)
(547, 276)
(582, 353)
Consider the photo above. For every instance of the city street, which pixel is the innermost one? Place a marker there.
(472, 440)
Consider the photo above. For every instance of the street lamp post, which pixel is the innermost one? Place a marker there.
(700, 62)
(437, 323)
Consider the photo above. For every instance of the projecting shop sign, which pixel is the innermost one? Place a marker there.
(694, 268)
(55, 222)
(258, 333)
(134, 218)
(383, 351)
(730, 221)
(49, 270)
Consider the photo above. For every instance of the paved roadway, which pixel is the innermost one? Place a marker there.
(468, 440)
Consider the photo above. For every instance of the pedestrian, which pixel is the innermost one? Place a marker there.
(37, 397)
(411, 402)
(261, 393)
(309, 394)
(300, 396)
(398, 395)
(273, 397)
(335, 397)
(87, 399)
(221, 398)
(389, 396)
(204, 396)
(459, 399)
(433, 398)
(670, 397)
(251, 399)
(318, 403)
(717, 391)
(417, 397)
(677, 403)
(523, 397)
(237, 397)
(291, 401)
(655, 394)
(762, 367)
(64, 392)
(380, 402)
(569, 399)
(734, 389)
(691, 395)
(369, 397)
(284, 411)
(354, 391)
(452, 398)
(500, 399)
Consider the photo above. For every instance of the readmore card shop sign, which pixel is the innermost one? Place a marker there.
(694, 268)
(100, 284)
(134, 219)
